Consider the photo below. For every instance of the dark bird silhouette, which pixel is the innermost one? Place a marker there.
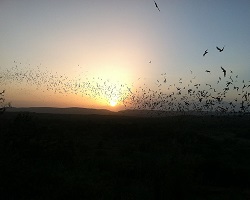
(208, 71)
(157, 6)
(224, 71)
(205, 52)
(129, 89)
(219, 49)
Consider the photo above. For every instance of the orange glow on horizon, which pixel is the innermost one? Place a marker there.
(113, 103)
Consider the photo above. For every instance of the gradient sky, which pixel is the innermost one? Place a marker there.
(116, 39)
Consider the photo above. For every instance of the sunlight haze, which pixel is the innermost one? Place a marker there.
(125, 43)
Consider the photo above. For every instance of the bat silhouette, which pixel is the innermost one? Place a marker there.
(156, 6)
(205, 52)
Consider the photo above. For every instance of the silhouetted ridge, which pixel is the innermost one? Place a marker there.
(70, 110)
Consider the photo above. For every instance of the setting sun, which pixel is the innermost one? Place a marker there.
(113, 103)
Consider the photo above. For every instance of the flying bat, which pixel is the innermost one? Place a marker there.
(224, 71)
(219, 49)
(156, 6)
(205, 52)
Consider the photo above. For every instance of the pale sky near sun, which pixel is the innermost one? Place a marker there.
(116, 39)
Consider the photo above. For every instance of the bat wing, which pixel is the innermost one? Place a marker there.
(218, 48)
(156, 6)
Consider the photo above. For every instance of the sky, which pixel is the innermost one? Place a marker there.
(128, 43)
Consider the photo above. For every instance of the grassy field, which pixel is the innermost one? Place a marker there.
(49, 156)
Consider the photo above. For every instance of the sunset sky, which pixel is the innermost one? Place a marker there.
(115, 40)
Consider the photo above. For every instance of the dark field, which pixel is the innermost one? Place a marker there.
(49, 156)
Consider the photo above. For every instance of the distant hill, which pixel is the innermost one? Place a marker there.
(148, 113)
(71, 110)
(91, 111)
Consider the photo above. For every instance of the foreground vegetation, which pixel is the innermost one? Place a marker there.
(48, 156)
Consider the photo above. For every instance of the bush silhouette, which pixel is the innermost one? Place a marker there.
(2, 101)
(2, 108)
